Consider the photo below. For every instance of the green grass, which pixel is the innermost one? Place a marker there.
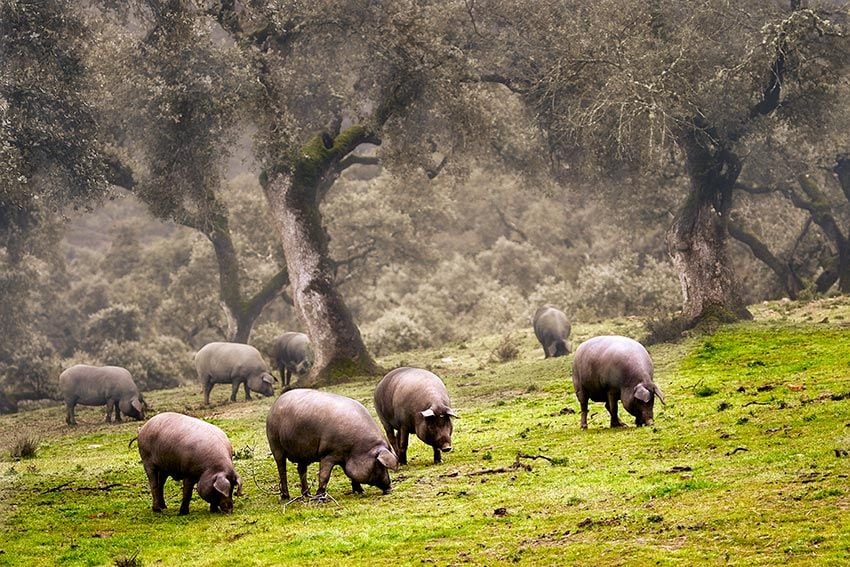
(762, 481)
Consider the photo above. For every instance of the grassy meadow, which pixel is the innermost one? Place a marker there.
(748, 463)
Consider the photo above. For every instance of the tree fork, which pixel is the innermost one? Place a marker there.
(294, 194)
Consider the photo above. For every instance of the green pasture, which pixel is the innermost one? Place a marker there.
(747, 464)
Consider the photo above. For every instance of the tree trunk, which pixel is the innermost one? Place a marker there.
(697, 238)
(294, 200)
(790, 281)
(241, 313)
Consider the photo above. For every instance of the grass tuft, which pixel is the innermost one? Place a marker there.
(507, 349)
(24, 448)
(131, 561)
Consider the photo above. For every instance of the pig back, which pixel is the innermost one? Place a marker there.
(550, 324)
(94, 385)
(309, 424)
(291, 348)
(612, 361)
(406, 391)
(184, 445)
(224, 362)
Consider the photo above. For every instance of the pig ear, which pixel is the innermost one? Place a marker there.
(222, 485)
(388, 459)
(451, 412)
(268, 378)
(136, 405)
(239, 485)
(642, 393)
(427, 413)
(658, 392)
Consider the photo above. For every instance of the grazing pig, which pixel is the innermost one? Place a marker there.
(233, 363)
(101, 385)
(552, 329)
(308, 426)
(611, 368)
(292, 354)
(191, 450)
(413, 399)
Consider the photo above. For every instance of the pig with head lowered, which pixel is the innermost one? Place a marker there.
(235, 364)
(413, 399)
(101, 385)
(611, 368)
(308, 426)
(194, 451)
(552, 329)
(292, 354)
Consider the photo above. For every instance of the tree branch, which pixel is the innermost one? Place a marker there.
(790, 281)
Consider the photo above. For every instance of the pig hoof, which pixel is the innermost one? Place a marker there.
(321, 498)
(183, 512)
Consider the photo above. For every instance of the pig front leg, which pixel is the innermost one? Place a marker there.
(117, 411)
(247, 391)
(438, 456)
(188, 485)
(403, 439)
(325, 467)
(302, 477)
(110, 406)
(611, 405)
(356, 487)
(235, 389)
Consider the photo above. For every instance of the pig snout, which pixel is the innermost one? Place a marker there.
(446, 448)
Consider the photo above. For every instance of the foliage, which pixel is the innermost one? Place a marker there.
(161, 362)
(699, 487)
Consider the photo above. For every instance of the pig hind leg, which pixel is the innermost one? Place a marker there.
(583, 398)
(280, 461)
(70, 418)
(156, 480)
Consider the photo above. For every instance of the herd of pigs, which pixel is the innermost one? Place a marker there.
(306, 426)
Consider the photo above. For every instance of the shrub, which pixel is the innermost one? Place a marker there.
(164, 362)
(395, 331)
(507, 349)
(118, 323)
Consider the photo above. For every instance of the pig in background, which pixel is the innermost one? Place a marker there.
(235, 364)
(611, 368)
(415, 400)
(292, 354)
(308, 426)
(111, 386)
(194, 451)
(552, 328)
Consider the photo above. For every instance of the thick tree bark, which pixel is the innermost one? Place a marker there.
(697, 238)
(294, 197)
